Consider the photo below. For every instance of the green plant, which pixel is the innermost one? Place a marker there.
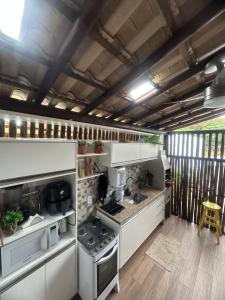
(98, 143)
(11, 217)
(152, 139)
(82, 143)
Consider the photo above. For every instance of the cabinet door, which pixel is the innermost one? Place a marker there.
(149, 151)
(134, 233)
(125, 152)
(35, 158)
(31, 287)
(60, 276)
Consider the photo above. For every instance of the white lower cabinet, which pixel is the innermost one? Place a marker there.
(136, 230)
(31, 287)
(60, 276)
(56, 280)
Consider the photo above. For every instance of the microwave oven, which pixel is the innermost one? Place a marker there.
(20, 252)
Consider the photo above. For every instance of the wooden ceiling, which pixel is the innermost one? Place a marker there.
(79, 60)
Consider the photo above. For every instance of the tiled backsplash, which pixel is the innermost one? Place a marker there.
(86, 188)
(89, 187)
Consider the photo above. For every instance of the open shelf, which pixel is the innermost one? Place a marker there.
(23, 180)
(66, 239)
(91, 154)
(90, 176)
(48, 220)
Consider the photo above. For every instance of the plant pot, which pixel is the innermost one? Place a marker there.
(81, 150)
(98, 149)
(9, 229)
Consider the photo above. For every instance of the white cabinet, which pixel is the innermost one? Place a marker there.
(149, 151)
(128, 153)
(31, 287)
(125, 152)
(136, 230)
(60, 276)
(32, 158)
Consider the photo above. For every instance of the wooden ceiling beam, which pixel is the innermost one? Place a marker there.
(188, 116)
(196, 120)
(206, 16)
(179, 111)
(16, 84)
(81, 28)
(64, 9)
(173, 101)
(14, 105)
(194, 70)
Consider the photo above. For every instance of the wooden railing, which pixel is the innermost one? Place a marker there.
(197, 160)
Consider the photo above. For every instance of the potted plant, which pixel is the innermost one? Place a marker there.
(10, 220)
(81, 147)
(98, 147)
(153, 139)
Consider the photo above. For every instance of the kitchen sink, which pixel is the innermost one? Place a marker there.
(136, 198)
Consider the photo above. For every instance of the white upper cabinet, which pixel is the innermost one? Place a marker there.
(32, 158)
(31, 287)
(149, 151)
(128, 153)
(122, 152)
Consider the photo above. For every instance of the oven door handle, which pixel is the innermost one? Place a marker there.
(104, 259)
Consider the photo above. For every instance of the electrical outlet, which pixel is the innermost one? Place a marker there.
(89, 200)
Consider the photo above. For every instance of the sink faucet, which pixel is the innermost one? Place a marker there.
(127, 190)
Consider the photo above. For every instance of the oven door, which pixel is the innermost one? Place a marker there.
(106, 269)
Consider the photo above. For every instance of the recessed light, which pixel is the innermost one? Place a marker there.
(141, 90)
(11, 14)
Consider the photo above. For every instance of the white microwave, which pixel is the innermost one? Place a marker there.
(24, 250)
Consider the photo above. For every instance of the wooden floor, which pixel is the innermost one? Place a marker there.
(199, 274)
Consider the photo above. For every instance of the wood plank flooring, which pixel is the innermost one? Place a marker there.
(199, 274)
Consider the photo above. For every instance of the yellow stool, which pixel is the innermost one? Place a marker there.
(213, 219)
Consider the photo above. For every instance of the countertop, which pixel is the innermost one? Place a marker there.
(133, 209)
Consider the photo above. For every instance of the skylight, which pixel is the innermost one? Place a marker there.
(11, 13)
(141, 90)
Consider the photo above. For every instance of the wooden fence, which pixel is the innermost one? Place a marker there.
(197, 160)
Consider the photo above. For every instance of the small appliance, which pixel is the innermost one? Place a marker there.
(22, 251)
(58, 197)
(98, 260)
(117, 181)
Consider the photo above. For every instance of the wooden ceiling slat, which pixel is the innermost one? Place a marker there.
(194, 70)
(14, 105)
(178, 112)
(208, 14)
(173, 101)
(190, 114)
(196, 120)
(65, 10)
(81, 28)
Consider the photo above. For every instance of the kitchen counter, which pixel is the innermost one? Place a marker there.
(133, 209)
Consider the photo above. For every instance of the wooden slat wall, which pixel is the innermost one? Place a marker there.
(34, 129)
(197, 160)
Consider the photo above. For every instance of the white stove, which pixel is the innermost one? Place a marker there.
(98, 260)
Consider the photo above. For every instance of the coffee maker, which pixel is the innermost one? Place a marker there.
(117, 181)
(58, 197)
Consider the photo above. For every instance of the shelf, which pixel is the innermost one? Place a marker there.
(91, 154)
(48, 220)
(23, 180)
(66, 239)
(90, 176)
